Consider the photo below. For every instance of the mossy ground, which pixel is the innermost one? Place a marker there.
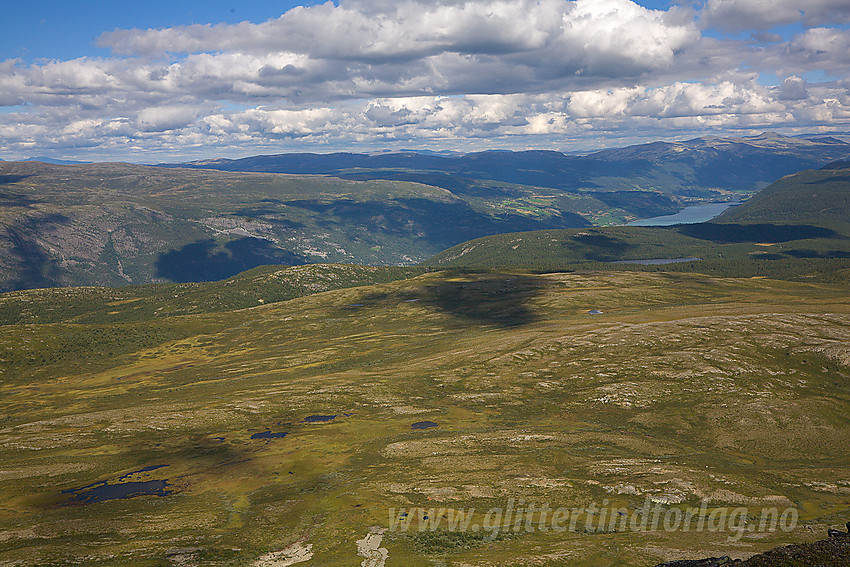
(686, 387)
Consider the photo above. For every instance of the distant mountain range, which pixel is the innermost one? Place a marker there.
(55, 161)
(115, 224)
(701, 168)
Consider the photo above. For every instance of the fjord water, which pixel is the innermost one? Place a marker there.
(688, 215)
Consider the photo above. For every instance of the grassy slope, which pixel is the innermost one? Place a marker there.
(265, 284)
(679, 390)
(795, 228)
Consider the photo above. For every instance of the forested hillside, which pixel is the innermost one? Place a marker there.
(796, 228)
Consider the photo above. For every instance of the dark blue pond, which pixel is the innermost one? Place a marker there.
(319, 418)
(270, 435)
(101, 492)
(424, 425)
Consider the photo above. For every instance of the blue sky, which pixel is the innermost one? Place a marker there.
(39, 29)
(159, 80)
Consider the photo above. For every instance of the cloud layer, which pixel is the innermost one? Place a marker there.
(740, 15)
(449, 73)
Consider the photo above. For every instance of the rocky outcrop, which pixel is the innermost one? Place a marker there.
(832, 552)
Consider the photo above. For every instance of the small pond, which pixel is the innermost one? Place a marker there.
(270, 435)
(319, 418)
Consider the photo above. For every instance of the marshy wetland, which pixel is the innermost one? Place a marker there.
(291, 425)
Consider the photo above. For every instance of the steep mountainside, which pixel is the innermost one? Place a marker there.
(114, 224)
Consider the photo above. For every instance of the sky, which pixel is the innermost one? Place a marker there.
(170, 81)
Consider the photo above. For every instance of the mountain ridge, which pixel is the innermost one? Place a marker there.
(695, 167)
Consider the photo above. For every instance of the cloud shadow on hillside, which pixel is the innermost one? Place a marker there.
(496, 300)
(809, 253)
(35, 269)
(8, 199)
(502, 300)
(738, 233)
(442, 224)
(205, 260)
(11, 178)
(599, 247)
(834, 179)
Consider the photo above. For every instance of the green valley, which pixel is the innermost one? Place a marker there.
(116, 224)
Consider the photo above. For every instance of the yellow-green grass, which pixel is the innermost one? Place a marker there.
(686, 386)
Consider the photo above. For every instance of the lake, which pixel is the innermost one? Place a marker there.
(688, 215)
(319, 418)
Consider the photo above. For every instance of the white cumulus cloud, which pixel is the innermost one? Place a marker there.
(461, 73)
